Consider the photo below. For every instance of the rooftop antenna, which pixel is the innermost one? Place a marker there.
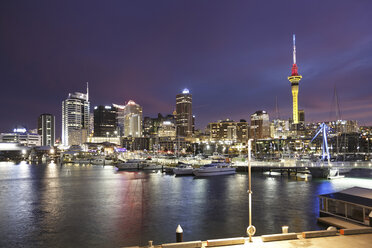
(87, 91)
(294, 49)
(277, 108)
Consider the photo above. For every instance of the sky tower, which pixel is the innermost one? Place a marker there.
(294, 79)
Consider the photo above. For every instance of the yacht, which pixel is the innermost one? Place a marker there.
(214, 169)
(130, 164)
(183, 169)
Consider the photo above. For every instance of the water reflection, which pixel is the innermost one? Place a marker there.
(84, 205)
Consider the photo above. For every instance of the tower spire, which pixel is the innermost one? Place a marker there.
(294, 49)
(295, 79)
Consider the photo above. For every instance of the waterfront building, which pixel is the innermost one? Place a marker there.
(75, 118)
(184, 118)
(46, 128)
(167, 129)
(103, 140)
(132, 120)
(170, 144)
(105, 121)
(295, 79)
(136, 143)
(229, 130)
(260, 125)
(151, 125)
(21, 136)
(279, 129)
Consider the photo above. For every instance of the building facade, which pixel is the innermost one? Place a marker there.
(46, 128)
(151, 126)
(75, 119)
(228, 130)
(132, 120)
(21, 136)
(105, 121)
(260, 125)
(184, 117)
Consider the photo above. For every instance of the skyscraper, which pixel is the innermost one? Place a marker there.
(46, 128)
(132, 120)
(105, 122)
(75, 118)
(184, 117)
(295, 79)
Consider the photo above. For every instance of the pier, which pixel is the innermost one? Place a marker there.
(298, 240)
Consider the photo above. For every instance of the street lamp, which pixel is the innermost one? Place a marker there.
(251, 230)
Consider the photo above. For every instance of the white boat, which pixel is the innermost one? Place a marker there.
(130, 164)
(183, 169)
(151, 167)
(214, 169)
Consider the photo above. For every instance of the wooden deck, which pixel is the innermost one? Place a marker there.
(339, 223)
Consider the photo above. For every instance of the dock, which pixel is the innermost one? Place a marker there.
(339, 223)
(339, 241)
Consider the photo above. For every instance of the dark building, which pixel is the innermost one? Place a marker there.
(105, 121)
(46, 128)
(184, 117)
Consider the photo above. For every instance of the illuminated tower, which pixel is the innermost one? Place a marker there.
(184, 117)
(295, 79)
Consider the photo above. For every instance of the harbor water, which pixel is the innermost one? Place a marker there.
(97, 206)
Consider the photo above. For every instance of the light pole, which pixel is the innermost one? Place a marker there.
(251, 230)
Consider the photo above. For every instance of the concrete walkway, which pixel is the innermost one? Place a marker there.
(339, 241)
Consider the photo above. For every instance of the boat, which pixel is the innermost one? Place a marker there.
(151, 166)
(130, 164)
(183, 169)
(214, 169)
(334, 173)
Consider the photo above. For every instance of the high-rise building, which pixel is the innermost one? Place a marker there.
(120, 117)
(46, 128)
(75, 118)
(295, 79)
(132, 120)
(260, 125)
(105, 121)
(184, 117)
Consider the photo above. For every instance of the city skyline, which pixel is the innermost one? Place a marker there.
(234, 57)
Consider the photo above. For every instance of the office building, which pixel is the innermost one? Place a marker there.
(105, 121)
(132, 120)
(151, 125)
(184, 117)
(75, 118)
(46, 128)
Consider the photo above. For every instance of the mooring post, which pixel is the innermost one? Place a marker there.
(179, 234)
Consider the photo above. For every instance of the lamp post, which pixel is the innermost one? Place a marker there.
(251, 230)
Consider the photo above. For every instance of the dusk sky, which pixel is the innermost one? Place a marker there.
(233, 56)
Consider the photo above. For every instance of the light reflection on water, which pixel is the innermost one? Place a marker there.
(85, 205)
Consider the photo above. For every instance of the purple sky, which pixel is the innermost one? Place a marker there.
(234, 56)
